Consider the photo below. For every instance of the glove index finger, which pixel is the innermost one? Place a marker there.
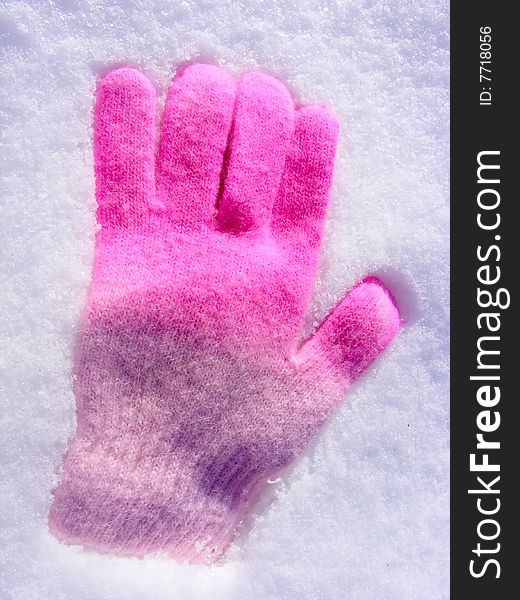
(301, 206)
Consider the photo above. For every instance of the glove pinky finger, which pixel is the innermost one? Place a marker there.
(124, 147)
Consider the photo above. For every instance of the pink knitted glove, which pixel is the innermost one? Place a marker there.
(192, 386)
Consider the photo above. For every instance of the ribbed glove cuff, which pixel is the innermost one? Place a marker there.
(121, 498)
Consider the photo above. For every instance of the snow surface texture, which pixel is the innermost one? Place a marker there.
(364, 515)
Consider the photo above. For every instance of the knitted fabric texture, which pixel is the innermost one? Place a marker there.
(191, 383)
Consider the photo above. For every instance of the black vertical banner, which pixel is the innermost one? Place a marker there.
(485, 166)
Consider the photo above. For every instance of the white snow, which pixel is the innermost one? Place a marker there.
(364, 515)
